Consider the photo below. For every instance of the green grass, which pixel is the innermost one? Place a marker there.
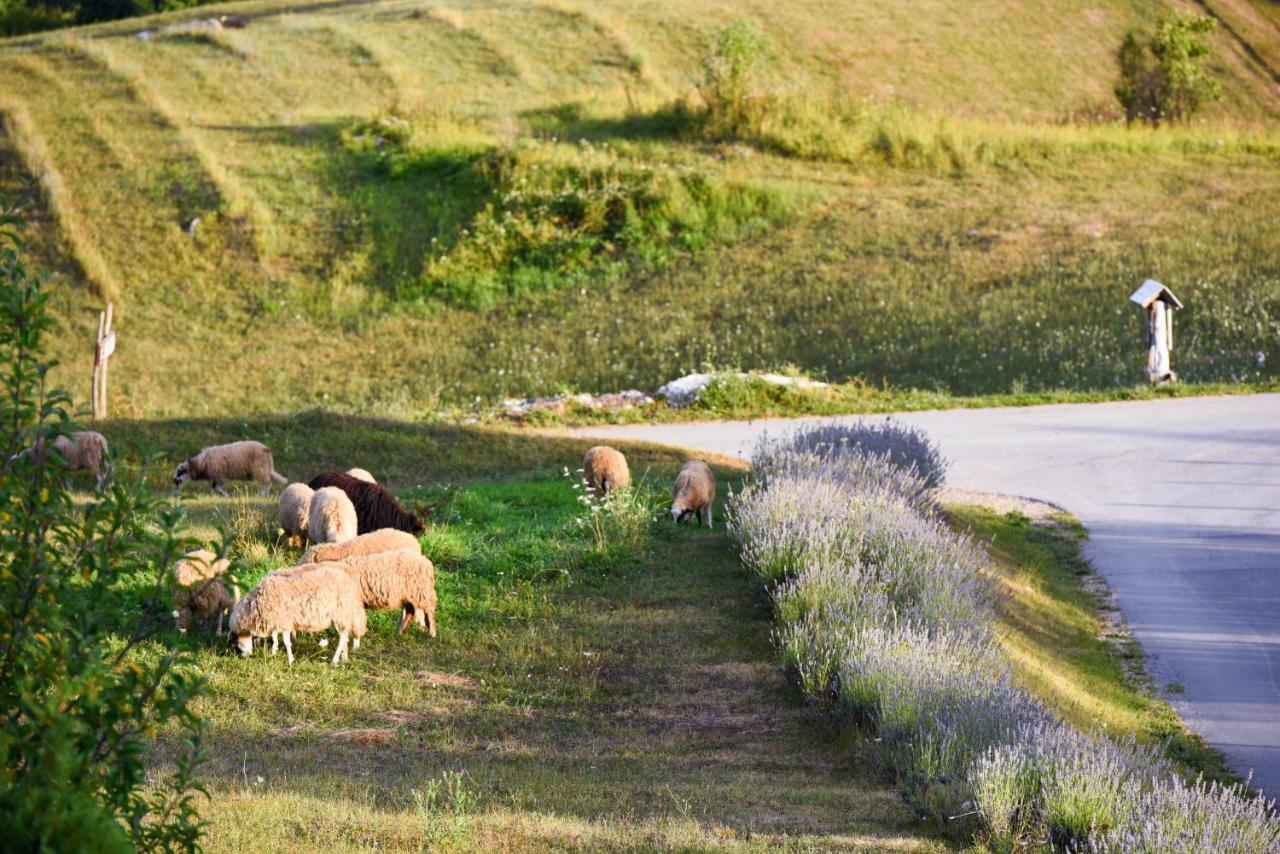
(1051, 626)
(577, 697)
(622, 695)
(401, 208)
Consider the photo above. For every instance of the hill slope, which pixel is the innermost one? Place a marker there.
(277, 208)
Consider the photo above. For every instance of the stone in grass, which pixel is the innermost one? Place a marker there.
(687, 389)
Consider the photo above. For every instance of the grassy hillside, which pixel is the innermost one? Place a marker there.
(389, 207)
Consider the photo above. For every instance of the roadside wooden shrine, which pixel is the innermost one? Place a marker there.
(1160, 304)
(106, 345)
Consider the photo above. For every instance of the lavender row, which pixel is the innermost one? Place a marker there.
(885, 620)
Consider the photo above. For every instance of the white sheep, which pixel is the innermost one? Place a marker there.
(200, 589)
(693, 493)
(361, 474)
(313, 600)
(400, 579)
(604, 469)
(295, 510)
(236, 461)
(332, 518)
(83, 450)
(381, 540)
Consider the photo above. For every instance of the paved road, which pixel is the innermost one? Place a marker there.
(1182, 502)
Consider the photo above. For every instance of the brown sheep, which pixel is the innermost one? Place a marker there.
(201, 589)
(604, 469)
(693, 493)
(236, 461)
(83, 450)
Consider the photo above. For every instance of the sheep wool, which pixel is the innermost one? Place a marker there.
(332, 518)
(295, 509)
(311, 601)
(200, 590)
(237, 461)
(375, 506)
(400, 579)
(383, 540)
(693, 493)
(361, 474)
(84, 450)
(604, 469)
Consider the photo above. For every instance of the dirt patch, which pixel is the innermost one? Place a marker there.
(439, 679)
(363, 736)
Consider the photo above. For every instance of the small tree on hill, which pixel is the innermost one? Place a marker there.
(1162, 77)
(732, 71)
(81, 697)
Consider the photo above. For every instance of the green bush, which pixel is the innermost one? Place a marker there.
(732, 71)
(82, 696)
(1162, 77)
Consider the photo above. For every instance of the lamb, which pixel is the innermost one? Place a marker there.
(332, 518)
(376, 507)
(311, 601)
(361, 474)
(236, 461)
(295, 510)
(83, 450)
(384, 540)
(201, 589)
(400, 579)
(693, 493)
(604, 469)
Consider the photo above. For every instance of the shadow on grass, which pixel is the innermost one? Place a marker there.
(674, 121)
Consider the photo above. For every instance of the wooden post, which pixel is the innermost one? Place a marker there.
(106, 345)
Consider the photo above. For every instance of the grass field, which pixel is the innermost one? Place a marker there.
(405, 207)
(625, 697)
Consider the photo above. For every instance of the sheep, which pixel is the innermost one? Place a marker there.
(332, 518)
(361, 474)
(693, 493)
(295, 510)
(604, 469)
(400, 579)
(200, 589)
(83, 450)
(323, 595)
(383, 540)
(236, 461)
(375, 506)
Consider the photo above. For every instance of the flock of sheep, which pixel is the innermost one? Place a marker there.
(365, 551)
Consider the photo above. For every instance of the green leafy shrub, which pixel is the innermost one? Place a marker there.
(82, 698)
(731, 84)
(1162, 77)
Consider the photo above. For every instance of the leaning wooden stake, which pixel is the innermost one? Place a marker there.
(106, 345)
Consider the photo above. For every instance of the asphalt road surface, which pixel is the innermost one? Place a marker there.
(1181, 499)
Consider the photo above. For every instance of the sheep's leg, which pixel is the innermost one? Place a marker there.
(266, 487)
(220, 613)
(218, 489)
(706, 509)
(340, 654)
(355, 643)
(431, 624)
(405, 617)
(288, 647)
(275, 642)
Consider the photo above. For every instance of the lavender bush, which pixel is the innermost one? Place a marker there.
(885, 619)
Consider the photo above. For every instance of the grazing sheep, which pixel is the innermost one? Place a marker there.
(311, 601)
(236, 461)
(693, 493)
(84, 450)
(401, 579)
(295, 510)
(604, 469)
(333, 517)
(384, 540)
(376, 507)
(200, 589)
(361, 474)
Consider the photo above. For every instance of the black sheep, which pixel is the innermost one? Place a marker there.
(376, 508)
